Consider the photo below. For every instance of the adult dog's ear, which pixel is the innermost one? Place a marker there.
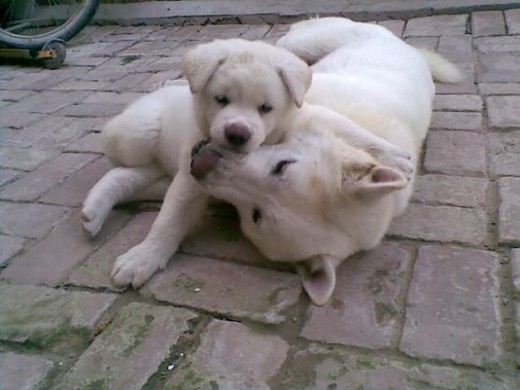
(201, 62)
(296, 75)
(318, 276)
(370, 178)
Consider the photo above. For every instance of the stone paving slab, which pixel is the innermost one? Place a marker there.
(53, 132)
(513, 20)
(89, 143)
(47, 317)
(231, 356)
(496, 44)
(53, 79)
(503, 111)
(24, 159)
(437, 25)
(451, 190)
(455, 153)
(457, 103)
(12, 80)
(225, 288)
(505, 153)
(508, 210)
(94, 272)
(433, 307)
(321, 369)
(365, 305)
(50, 260)
(129, 350)
(221, 237)
(23, 372)
(10, 246)
(48, 102)
(491, 89)
(71, 192)
(470, 121)
(515, 267)
(451, 306)
(8, 175)
(36, 183)
(272, 11)
(498, 68)
(487, 23)
(441, 223)
(31, 220)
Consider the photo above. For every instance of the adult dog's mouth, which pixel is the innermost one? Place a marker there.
(204, 158)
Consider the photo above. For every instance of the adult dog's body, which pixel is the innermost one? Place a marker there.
(245, 94)
(315, 199)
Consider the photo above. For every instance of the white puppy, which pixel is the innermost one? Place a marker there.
(245, 94)
(316, 199)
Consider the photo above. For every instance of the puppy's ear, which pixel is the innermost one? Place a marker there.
(296, 75)
(318, 276)
(365, 178)
(201, 62)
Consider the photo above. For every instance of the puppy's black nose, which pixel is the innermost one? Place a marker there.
(237, 134)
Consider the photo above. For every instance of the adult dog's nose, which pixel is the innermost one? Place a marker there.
(237, 134)
(203, 160)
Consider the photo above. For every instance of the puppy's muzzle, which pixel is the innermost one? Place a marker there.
(204, 159)
(237, 134)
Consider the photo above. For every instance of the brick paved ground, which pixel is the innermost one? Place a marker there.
(435, 306)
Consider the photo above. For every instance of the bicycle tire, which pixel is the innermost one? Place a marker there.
(72, 26)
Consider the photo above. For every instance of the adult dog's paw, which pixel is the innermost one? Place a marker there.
(137, 266)
(397, 158)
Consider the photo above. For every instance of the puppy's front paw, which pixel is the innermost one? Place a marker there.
(91, 221)
(137, 266)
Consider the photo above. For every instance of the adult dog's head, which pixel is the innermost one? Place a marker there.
(244, 90)
(313, 200)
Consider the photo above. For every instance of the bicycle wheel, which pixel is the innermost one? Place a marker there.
(33, 23)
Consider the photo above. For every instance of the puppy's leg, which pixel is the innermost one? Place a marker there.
(183, 206)
(118, 185)
(154, 192)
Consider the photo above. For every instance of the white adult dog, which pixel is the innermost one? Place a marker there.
(244, 94)
(316, 199)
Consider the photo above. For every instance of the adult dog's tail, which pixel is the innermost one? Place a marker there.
(309, 43)
(314, 38)
(442, 69)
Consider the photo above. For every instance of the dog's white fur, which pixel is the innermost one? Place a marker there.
(233, 69)
(330, 199)
(150, 142)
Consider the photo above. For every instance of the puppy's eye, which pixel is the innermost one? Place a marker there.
(265, 108)
(256, 216)
(222, 100)
(281, 166)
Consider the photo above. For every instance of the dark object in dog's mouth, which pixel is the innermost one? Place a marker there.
(204, 158)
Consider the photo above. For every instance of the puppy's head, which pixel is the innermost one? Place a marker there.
(244, 90)
(307, 201)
